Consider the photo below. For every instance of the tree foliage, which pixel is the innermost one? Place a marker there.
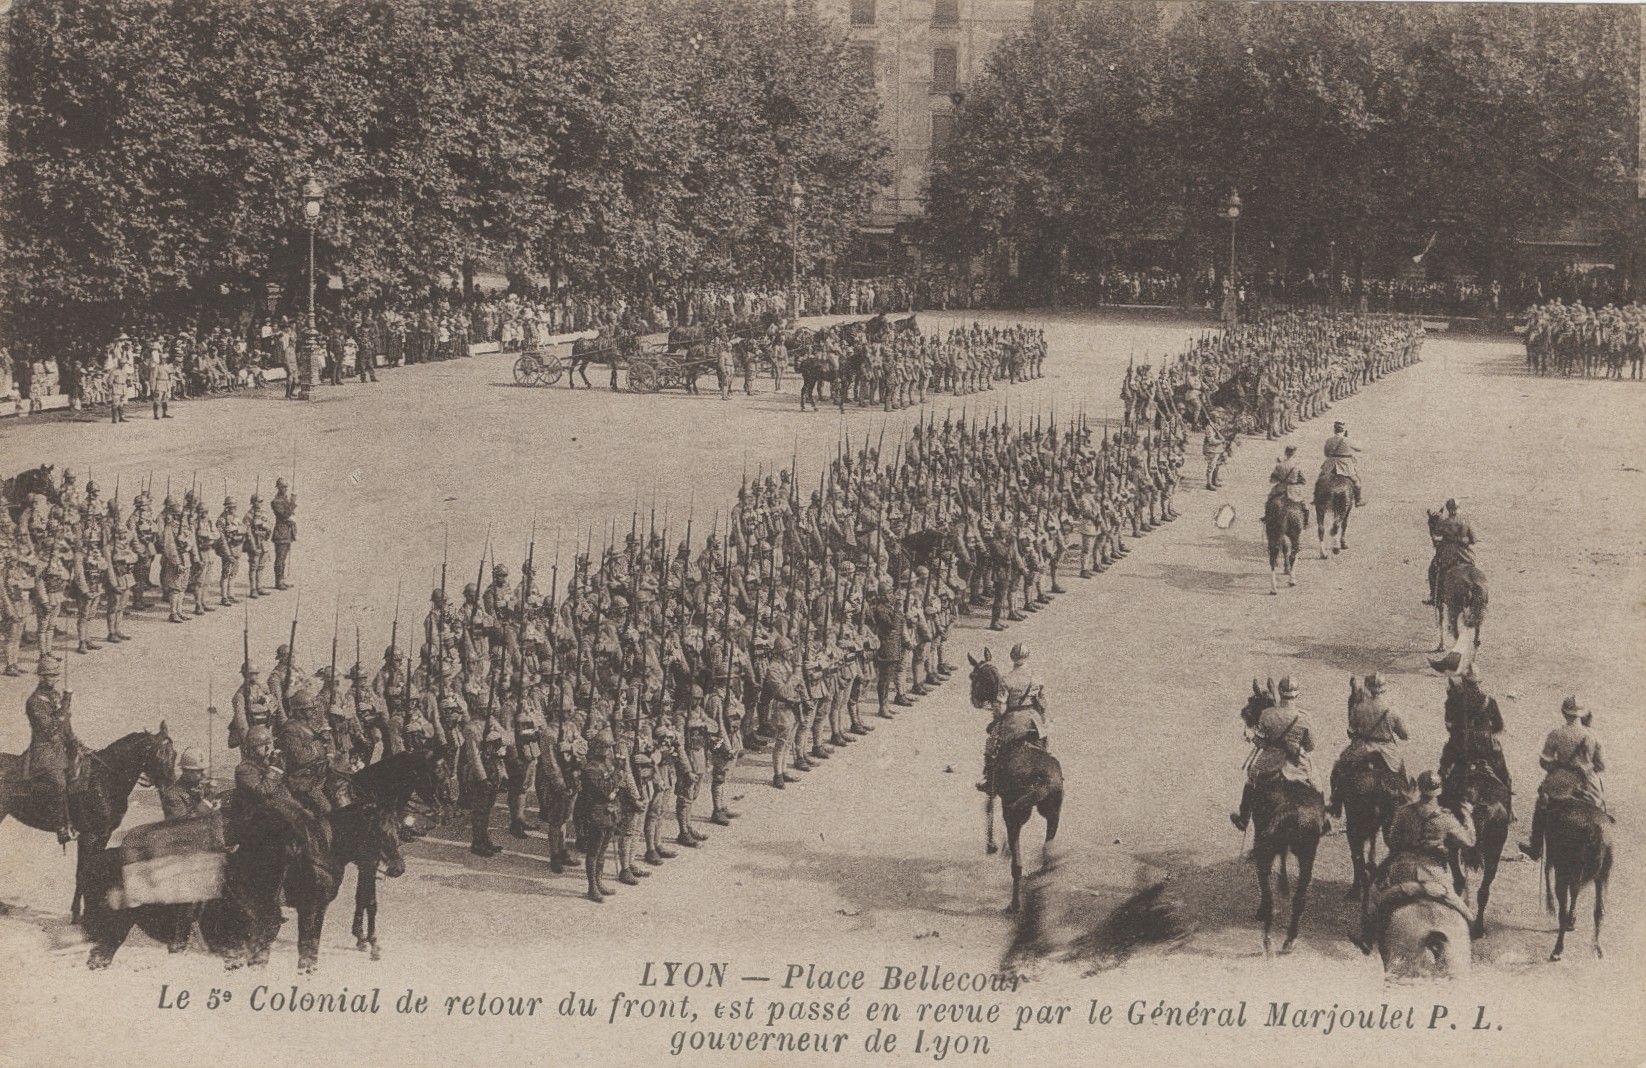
(158, 146)
(1364, 126)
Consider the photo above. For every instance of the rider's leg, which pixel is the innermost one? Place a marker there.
(1240, 818)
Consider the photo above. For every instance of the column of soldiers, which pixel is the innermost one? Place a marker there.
(66, 553)
(1269, 376)
(1571, 339)
(896, 367)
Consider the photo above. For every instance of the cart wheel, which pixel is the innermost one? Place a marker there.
(643, 378)
(553, 368)
(526, 370)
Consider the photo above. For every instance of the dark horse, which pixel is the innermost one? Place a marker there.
(815, 370)
(1025, 776)
(1284, 521)
(1472, 769)
(1578, 846)
(1334, 496)
(1460, 601)
(603, 348)
(1287, 817)
(390, 784)
(1371, 794)
(241, 924)
(97, 799)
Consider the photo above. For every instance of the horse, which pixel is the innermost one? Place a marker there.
(1026, 777)
(1284, 521)
(1287, 817)
(1417, 932)
(20, 487)
(1371, 794)
(1334, 495)
(1460, 601)
(98, 794)
(390, 783)
(1577, 839)
(603, 348)
(242, 923)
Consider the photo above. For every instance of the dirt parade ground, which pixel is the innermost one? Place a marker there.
(875, 860)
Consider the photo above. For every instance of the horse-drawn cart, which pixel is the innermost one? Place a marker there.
(659, 366)
(538, 367)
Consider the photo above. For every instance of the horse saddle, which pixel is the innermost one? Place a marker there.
(1407, 877)
(76, 775)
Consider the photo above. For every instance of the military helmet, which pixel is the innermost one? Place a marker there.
(1289, 687)
(1428, 784)
(191, 760)
(1376, 683)
(49, 667)
(259, 735)
(1020, 653)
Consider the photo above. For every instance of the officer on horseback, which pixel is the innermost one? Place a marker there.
(1573, 765)
(1340, 458)
(53, 749)
(1287, 479)
(1454, 541)
(1018, 713)
(1375, 731)
(1428, 830)
(1282, 739)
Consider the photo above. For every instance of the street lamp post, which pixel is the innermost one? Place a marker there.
(314, 195)
(796, 192)
(1231, 299)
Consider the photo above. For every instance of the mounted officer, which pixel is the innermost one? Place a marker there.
(1375, 733)
(1454, 541)
(1282, 740)
(1340, 458)
(1426, 829)
(1573, 765)
(1288, 480)
(53, 753)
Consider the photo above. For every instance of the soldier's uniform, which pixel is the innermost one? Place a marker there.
(228, 544)
(253, 707)
(1375, 731)
(1572, 763)
(596, 812)
(284, 534)
(53, 749)
(259, 533)
(1282, 740)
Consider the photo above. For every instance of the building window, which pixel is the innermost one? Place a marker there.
(862, 12)
(864, 56)
(944, 66)
(946, 13)
(942, 130)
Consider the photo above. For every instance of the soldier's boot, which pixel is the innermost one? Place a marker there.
(625, 858)
(13, 649)
(175, 603)
(85, 645)
(721, 815)
(994, 618)
(1240, 818)
(591, 868)
(223, 597)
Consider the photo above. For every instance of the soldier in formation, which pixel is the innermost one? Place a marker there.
(69, 554)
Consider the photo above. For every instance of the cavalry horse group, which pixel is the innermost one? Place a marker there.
(267, 863)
